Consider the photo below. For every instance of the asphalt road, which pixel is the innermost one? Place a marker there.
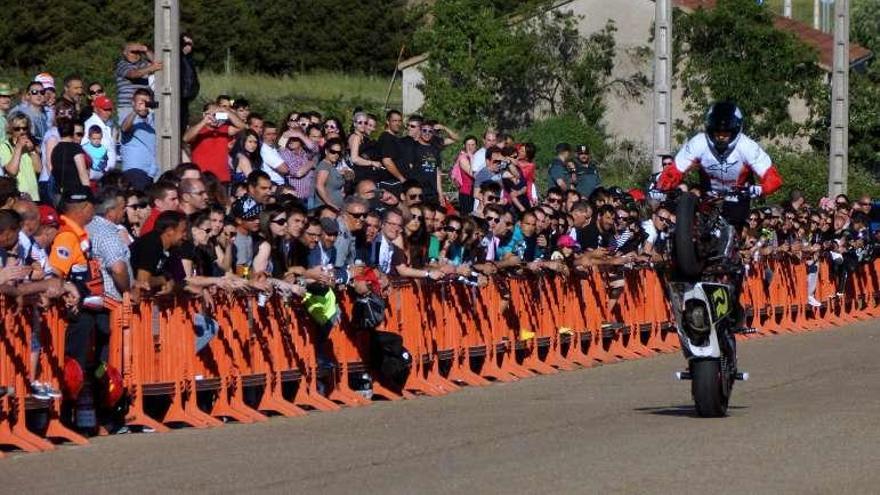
(807, 422)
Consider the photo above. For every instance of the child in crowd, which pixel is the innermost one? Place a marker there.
(97, 153)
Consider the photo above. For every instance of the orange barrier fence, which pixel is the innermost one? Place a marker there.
(263, 360)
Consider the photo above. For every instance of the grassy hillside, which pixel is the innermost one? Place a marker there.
(330, 93)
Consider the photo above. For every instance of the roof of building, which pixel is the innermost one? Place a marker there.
(823, 42)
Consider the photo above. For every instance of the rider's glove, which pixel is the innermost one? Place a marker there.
(755, 191)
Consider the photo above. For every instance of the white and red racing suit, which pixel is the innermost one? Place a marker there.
(732, 169)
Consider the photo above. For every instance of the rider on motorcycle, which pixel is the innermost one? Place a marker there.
(726, 159)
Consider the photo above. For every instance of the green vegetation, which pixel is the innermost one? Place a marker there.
(330, 93)
(801, 10)
(484, 71)
(269, 36)
(733, 52)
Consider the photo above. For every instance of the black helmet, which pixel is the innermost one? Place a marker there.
(723, 116)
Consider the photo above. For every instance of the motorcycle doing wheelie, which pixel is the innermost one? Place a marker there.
(704, 291)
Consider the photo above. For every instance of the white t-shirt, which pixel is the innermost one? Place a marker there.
(271, 161)
(478, 162)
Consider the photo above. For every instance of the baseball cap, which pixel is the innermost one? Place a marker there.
(103, 103)
(48, 215)
(46, 80)
(583, 148)
(567, 241)
(329, 226)
(246, 208)
(6, 89)
(77, 195)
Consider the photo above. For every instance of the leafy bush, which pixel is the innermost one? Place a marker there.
(547, 133)
(808, 172)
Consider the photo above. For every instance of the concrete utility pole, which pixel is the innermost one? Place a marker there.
(839, 162)
(786, 9)
(167, 90)
(817, 14)
(662, 81)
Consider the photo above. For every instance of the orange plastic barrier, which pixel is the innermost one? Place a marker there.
(263, 360)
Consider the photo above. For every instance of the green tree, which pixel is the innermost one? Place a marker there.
(864, 111)
(733, 52)
(488, 68)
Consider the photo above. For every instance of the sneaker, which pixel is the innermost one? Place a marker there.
(52, 391)
(812, 301)
(39, 392)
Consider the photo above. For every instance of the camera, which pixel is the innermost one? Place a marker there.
(503, 164)
(221, 116)
(153, 104)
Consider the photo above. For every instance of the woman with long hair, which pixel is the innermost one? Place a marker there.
(269, 257)
(137, 209)
(414, 238)
(462, 175)
(525, 153)
(245, 155)
(333, 129)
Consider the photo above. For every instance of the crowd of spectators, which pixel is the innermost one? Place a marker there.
(86, 213)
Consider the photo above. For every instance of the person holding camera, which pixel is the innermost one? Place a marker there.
(139, 141)
(210, 139)
(133, 71)
(20, 157)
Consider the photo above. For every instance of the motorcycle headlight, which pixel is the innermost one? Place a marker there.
(696, 317)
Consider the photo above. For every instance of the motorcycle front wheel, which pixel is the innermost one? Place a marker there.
(707, 387)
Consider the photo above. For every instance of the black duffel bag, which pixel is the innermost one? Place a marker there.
(390, 358)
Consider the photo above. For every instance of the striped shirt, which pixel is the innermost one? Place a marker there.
(126, 87)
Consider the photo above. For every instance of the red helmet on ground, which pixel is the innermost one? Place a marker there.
(111, 382)
(72, 381)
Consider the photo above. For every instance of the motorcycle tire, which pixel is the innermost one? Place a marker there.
(687, 262)
(708, 389)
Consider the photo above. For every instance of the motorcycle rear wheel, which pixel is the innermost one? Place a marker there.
(707, 388)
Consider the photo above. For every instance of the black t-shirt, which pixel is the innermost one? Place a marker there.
(590, 238)
(64, 166)
(426, 162)
(385, 147)
(148, 254)
(298, 254)
(406, 147)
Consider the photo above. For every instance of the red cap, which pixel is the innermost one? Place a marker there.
(48, 215)
(637, 194)
(371, 278)
(103, 103)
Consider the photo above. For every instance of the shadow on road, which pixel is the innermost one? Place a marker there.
(684, 410)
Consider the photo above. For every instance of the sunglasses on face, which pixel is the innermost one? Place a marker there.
(451, 229)
(554, 201)
(413, 126)
(491, 199)
(335, 151)
(358, 216)
(361, 122)
(78, 134)
(427, 130)
(493, 219)
(96, 92)
(280, 221)
(416, 217)
(19, 129)
(37, 91)
(414, 196)
(330, 126)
